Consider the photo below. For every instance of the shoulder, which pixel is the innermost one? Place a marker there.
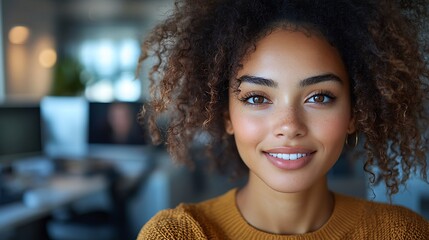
(392, 213)
(189, 221)
(398, 218)
(386, 220)
(177, 223)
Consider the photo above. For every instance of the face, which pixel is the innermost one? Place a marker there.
(290, 113)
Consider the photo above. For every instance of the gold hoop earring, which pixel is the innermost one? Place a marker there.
(356, 141)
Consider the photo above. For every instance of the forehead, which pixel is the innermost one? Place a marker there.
(295, 53)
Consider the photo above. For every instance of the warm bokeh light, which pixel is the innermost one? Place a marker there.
(48, 58)
(19, 34)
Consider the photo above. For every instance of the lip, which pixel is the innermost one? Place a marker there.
(290, 164)
(289, 150)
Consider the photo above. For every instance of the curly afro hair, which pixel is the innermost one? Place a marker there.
(200, 47)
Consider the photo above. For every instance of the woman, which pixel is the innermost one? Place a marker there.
(281, 86)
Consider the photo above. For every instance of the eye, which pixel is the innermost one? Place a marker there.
(321, 98)
(255, 99)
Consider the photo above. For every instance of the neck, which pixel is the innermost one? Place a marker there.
(285, 213)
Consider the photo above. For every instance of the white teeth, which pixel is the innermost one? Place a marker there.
(285, 156)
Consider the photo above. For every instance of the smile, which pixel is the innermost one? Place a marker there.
(286, 156)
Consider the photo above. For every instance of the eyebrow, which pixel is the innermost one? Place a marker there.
(303, 83)
(258, 80)
(319, 79)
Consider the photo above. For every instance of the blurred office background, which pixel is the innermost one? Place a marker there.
(74, 163)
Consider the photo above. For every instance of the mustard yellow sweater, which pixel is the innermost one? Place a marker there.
(219, 218)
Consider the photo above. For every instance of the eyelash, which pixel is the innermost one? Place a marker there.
(245, 99)
(325, 94)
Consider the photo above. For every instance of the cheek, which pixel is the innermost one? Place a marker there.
(248, 130)
(331, 130)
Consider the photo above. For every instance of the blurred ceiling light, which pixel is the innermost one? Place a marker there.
(19, 34)
(48, 58)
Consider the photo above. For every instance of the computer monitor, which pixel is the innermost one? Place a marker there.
(64, 121)
(115, 123)
(20, 131)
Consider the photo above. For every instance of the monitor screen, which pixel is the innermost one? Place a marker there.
(115, 123)
(20, 132)
(64, 125)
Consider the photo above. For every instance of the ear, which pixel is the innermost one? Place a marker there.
(351, 128)
(228, 124)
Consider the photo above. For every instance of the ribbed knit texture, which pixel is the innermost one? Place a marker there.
(219, 218)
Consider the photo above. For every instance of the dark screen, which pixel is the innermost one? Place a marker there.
(115, 123)
(20, 132)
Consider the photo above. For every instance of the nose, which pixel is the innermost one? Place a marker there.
(290, 123)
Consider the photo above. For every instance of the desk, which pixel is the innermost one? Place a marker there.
(40, 202)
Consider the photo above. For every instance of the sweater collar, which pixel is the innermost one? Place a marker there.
(344, 216)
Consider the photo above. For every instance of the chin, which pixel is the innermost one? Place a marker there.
(295, 186)
(289, 189)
